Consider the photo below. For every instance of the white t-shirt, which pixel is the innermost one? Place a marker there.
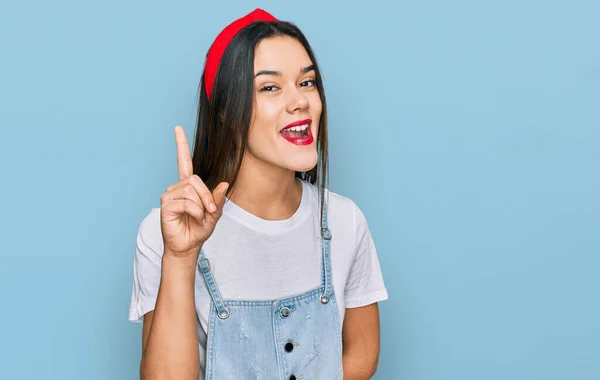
(258, 259)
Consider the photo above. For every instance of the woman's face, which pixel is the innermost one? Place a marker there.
(285, 96)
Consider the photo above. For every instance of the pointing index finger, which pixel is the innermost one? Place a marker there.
(184, 161)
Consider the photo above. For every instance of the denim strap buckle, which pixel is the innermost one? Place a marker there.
(204, 268)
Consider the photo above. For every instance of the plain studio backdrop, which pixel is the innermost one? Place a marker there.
(467, 131)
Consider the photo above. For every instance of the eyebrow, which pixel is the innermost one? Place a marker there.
(278, 73)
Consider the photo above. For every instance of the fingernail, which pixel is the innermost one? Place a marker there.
(212, 207)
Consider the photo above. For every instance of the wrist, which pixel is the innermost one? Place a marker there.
(180, 266)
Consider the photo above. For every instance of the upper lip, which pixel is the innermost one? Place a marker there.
(297, 123)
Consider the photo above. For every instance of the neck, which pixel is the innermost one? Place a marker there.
(271, 193)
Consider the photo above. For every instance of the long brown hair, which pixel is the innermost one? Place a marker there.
(223, 122)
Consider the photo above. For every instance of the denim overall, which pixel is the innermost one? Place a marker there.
(284, 339)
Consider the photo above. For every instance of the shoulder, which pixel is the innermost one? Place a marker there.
(342, 210)
(150, 232)
(151, 222)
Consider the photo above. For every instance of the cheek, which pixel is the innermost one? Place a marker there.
(264, 123)
(316, 107)
(266, 111)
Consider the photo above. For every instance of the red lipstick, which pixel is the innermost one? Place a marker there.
(299, 137)
(297, 123)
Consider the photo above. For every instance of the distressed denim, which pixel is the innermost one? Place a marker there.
(292, 338)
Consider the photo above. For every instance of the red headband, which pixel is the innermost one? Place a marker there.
(213, 58)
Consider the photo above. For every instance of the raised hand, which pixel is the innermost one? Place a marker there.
(189, 211)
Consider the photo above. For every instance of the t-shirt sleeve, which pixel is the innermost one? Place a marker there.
(146, 267)
(365, 283)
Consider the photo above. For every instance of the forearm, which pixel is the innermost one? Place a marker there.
(171, 350)
(357, 368)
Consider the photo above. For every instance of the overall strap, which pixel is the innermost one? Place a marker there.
(325, 249)
(211, 285)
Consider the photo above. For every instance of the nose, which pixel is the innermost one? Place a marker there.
(296, 100)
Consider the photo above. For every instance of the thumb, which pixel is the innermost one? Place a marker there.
(219, 196)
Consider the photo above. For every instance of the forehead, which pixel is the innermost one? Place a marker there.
(285, 54)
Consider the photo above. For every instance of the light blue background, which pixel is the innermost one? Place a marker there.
(467, 131)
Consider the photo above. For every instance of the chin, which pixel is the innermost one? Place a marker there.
(303, 165)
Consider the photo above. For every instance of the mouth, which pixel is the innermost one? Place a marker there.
(298, 132)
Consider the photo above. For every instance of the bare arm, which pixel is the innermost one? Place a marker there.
(169, 336)
(361, 342)
(189, 214)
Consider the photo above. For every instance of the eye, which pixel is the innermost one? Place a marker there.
(309, 83)
(268, 88)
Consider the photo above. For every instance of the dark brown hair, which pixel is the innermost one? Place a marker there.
(223, 122)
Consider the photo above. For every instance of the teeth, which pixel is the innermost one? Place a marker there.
(298, 128)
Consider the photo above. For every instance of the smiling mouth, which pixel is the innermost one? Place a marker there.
(298, 132)
(299, 135)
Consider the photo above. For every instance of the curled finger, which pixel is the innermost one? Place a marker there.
(186, 206)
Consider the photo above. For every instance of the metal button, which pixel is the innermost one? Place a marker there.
(324, 300)
(285, 312)
(224, 314)
(289, 347)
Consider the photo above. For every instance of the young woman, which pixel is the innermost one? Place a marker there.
(251, 268)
